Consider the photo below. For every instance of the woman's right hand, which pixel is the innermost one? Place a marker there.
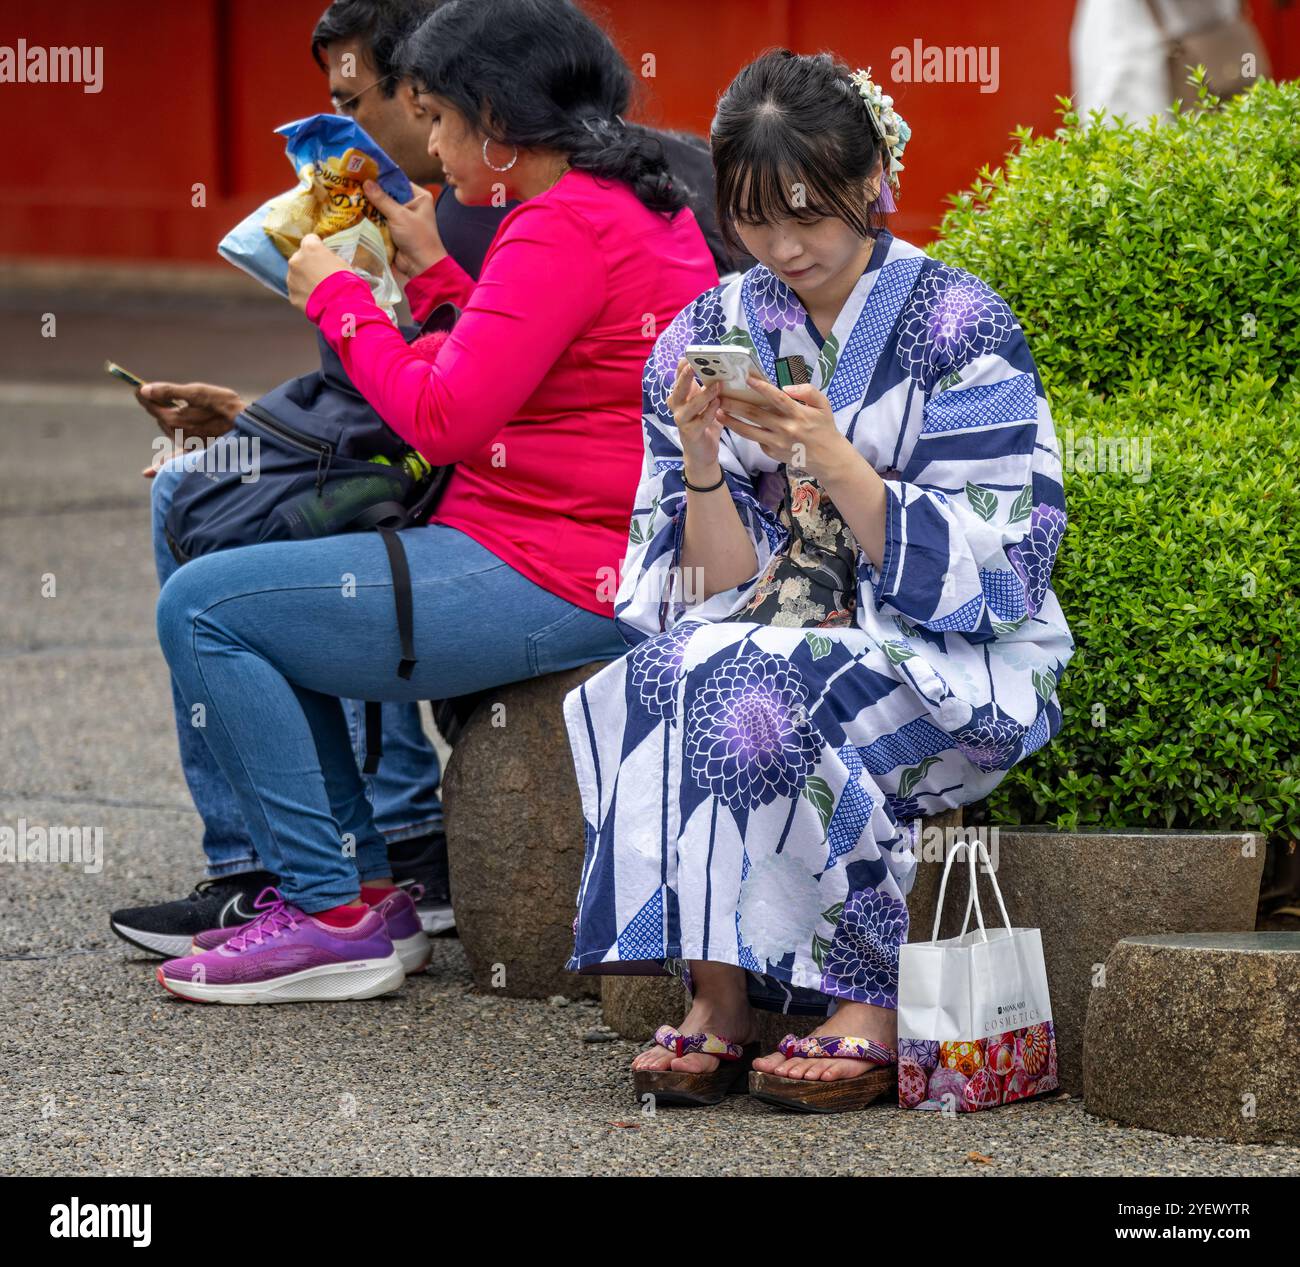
(413, 228)
(695, 410)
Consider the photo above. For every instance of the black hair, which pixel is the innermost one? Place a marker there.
(380, 25)
(541, 74)
(788, 119)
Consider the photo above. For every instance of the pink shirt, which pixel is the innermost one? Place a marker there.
(536, 395)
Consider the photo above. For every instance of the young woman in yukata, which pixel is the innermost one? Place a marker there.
(839, 604)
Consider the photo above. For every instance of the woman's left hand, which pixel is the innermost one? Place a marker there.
(310, 265)
(796, 426)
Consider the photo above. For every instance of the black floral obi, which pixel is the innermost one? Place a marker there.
(813, 580)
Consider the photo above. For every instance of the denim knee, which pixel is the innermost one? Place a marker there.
(186, 594)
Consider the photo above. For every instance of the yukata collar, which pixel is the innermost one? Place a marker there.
(771, 304)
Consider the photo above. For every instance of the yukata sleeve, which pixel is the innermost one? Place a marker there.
(973, 528)
(655, 594)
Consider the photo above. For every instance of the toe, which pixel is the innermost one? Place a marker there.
(696, 1062)
(654, 1058)
(768, 1064)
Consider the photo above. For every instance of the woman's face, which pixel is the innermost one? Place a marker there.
(807, 254)
(458, 146)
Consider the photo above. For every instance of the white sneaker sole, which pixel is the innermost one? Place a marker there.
(436, 919)
(329, 983)
(414, 952)
(170, 947)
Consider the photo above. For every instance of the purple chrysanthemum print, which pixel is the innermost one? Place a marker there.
(862, 961)
(1034, 556)
(655, 667)
(701, 321)
(990, 740)
(952, 318)
(748, 740)
(776, 306)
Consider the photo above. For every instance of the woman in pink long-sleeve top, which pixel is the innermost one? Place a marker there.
(535, 395)
(536, 399)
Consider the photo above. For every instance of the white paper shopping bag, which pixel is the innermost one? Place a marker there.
(974, 1017)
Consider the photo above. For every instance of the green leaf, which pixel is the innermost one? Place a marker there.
(821, 947)
(820, 645)
(897, 652)
(736, 337)
(828, 359)
(911, 777)
(818, 791)
(1023, 506)
(832, 913)
(984, 503)
(1001, 627)
(1044, 683)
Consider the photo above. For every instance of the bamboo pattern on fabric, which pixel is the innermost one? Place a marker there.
(751, 789)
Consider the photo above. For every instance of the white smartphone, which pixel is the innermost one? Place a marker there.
(719, 363)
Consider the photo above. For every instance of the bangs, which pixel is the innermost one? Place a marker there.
(769, 174)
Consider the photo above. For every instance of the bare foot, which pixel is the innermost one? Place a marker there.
(720, 1007)
(857, 1020)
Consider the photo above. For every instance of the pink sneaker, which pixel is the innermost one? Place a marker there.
(286, 956)
(400, 918)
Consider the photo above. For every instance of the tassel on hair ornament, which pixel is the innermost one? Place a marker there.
(890, 126)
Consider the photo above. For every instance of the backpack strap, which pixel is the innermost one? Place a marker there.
(374, 736)
(402, 599)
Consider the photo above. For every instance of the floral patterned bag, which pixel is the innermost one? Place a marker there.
(974, 1016)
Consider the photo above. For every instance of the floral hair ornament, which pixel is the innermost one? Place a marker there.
(890, 126)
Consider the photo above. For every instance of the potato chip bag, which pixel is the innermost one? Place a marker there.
(333, 157)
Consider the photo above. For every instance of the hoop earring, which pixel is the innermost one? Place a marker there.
(492, 165)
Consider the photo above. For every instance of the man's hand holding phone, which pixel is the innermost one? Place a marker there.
(187, 410)
(193, 409)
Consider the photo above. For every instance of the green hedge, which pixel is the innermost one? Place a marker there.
(1180, 589)
(1137, 252)
(1182, 592)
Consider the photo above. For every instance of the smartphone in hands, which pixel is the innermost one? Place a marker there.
(720, 363)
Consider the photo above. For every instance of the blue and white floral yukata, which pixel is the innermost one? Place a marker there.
(751, 788)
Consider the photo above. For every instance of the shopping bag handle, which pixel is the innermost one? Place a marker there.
(971, 849)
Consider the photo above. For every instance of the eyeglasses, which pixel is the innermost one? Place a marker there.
(341, 104)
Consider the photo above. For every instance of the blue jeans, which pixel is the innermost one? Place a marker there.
(267, 637)
(403, 792)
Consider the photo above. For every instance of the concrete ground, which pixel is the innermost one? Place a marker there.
(106, 1074)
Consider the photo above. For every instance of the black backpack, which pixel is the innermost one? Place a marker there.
(317, 440)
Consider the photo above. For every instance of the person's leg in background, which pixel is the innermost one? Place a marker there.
(404, 796)
(235, 874)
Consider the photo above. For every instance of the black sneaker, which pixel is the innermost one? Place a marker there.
(168, 928)
(423, 862)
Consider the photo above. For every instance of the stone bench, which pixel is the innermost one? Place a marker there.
(514, 839)
(1199, 1034)
(1086, 890)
